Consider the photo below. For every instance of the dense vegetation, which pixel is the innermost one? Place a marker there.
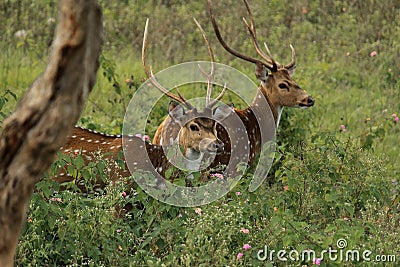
(336, 170)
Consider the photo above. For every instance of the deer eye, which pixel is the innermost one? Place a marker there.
(194, 127)
(283, 86)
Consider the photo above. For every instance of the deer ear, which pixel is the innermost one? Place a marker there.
(291, 70)
(176, 111)
(222, 112)
(261, 72)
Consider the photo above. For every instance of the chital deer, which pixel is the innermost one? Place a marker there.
(195, 132)
(277, 89)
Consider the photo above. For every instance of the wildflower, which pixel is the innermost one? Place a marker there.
(180, 215)
(124, 194)
(275, 209)
(396, 119)
(217, 175)
(394, 115)
(316, 261)
(373, 53)
(146, 138)
(286, 188)
(244, 230)
(56, 199)
(198, 211)
(138, 135)
(119, 248)
(29, 220)
(246, 246)
(238, 193)
(51, 20)
(118, 230)
(128, 81)
(239, 255)
(343, 128)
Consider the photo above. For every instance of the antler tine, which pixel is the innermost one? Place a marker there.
(252, 30)
(268, 59)
(274, 63)
(150, 75)
(225, 45)
(215, 101)
(293, 61)
(210, 76)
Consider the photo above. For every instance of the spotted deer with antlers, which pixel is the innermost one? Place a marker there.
(194, 130)
(277, 90)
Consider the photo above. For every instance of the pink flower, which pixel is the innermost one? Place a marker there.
(396, 119)
(342, 128)
(373, 53)
(239, 256)
(238, 193)
(286, 188)
(56, 199)
(394, 115)
(246, 246)
(118, 230)
(217, 175)
(180, 215)
(124, 194)
(198, 211)
(138, 135)
(145, 137)
(316, 261)
(244, 230)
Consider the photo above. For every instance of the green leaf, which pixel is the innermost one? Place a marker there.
(79, 162)
(332, 196)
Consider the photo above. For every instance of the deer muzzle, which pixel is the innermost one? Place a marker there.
(212, 146)
(307, 102)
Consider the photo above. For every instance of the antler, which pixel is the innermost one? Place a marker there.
(210, 77)
(269, 61)
(150, 75)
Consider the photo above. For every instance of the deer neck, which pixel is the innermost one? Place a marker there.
(259, 100)
(194, 158)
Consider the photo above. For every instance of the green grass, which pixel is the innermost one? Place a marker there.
(325, 184)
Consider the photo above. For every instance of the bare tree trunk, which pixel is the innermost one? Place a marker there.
(34, 132)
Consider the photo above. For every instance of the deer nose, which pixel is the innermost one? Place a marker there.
(310, 101)
(216, 146)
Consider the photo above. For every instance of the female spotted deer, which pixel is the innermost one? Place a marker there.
(195, 132)
(277, 90)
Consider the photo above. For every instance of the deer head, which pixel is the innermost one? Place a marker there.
(194, 130)
(277, 84)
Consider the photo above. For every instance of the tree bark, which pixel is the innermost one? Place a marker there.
(33, 134)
